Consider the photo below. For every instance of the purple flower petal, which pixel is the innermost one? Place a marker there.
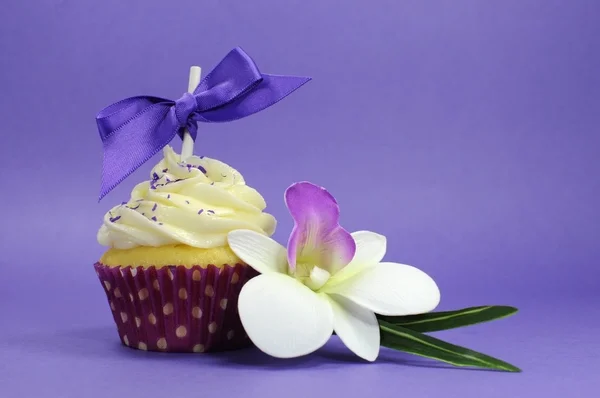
(317, 238)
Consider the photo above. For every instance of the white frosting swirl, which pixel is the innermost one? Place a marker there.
(196, 203)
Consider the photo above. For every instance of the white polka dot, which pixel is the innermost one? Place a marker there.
(107, 285)
(143, 294)
(198, 348)
(143, 346)
(171, 276)
(133, 271)
(162, 343)
(196, 275)
(138, 322)
(212, 327)
(168, 309)
(181, 332)
(183, 293)
(197, 312)
(235, 278)
(152, 319)
(118, 293)
(209, 290)
(230, 334)
(223, 303)
(123, 317)
(112, 306)
(126, 340)
(156, 285)
(131, 297)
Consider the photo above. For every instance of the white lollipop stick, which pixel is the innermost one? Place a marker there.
(187, 148)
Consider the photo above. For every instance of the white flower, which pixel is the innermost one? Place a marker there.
(327, 280)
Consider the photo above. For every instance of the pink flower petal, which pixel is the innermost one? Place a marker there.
(317, 238)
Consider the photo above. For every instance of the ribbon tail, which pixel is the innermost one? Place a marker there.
(131, 144)
(270, 90)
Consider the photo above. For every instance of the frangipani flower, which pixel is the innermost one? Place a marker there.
(327, 280)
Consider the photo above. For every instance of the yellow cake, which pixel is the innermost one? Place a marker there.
(161, 256)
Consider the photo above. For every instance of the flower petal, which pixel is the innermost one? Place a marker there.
(356, 326)
(283, 317)
(390, 289)
(317, 237)
(258, 251)
(370, 249)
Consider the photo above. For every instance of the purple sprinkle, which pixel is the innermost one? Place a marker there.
(172, 181)
(154, 218)
(140, 200)
(202, 169)
(154, 207)
(201, 157)
(113, 219)
(165, 170)
(155, 176)
(187, 201)
(189, 167)
(133, 208)
(168, 196)
(143, 214)
(160, 223)
(168, 179)
(212, 183)
(211, 211)
(123, 203)
(200, 212)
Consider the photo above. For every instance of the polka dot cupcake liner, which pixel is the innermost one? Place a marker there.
(175, 308)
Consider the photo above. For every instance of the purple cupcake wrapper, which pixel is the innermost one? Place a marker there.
(175, 308)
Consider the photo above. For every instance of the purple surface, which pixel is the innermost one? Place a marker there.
(465, 131)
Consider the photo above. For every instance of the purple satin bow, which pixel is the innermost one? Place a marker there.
(135, 129)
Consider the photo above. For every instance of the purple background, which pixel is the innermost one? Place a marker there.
(465, 131)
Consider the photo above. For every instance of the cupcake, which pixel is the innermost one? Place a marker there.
(170, 278)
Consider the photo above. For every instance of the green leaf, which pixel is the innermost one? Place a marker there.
(435, 321)
(402, 339)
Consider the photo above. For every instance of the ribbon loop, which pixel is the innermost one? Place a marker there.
(135, 129)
